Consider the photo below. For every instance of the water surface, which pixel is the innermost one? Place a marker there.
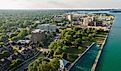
(86, 61)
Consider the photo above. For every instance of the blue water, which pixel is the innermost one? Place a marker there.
(111, 56)
(85, 62)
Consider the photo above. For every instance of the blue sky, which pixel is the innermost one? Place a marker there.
(20, 4)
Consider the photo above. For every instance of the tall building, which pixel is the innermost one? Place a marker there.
(85, 21)
(69, 17)
(38, 36)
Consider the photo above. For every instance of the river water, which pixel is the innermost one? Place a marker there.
(110, 59)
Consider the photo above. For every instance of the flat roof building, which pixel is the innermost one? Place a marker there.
(38, 36)
(47, 27)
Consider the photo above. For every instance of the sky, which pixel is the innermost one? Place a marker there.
(42, 4)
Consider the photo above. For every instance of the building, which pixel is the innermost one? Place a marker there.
(23, 41)
(4, 64)
(96, 23)
(37, 21)
(64, 64)
(69, 17)
(47, 27)
(58, 18)
(28, 52)
(87, 20)
(38, 36)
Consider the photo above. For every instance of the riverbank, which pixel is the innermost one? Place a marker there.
(80, 56)
(99, 53)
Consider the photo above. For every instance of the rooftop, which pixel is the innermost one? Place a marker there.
(37, 31)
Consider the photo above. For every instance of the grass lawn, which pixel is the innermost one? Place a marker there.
(99, 40)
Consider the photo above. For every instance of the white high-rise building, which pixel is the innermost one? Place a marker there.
(69, 17)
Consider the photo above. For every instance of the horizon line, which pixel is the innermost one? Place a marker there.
(55, 8)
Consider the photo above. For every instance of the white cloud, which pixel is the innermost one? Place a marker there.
(60, 4)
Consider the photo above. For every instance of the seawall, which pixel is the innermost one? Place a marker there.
(80, 56)
(99, 53)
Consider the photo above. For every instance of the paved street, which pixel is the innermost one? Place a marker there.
(25, 65)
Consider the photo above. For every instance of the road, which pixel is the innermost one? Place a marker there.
(25, 65)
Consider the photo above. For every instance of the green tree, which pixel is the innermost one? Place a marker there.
(14, 63)
(54, 63)
(64, 55)
(64, 48)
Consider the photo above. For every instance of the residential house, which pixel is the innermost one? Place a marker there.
(64, 64)
(4, 64)
(27, 53)
(23, 41)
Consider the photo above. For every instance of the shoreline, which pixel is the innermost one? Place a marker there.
(99, 53)
(80, 56)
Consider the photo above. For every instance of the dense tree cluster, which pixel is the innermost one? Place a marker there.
(72, 37)
(13, 23)
(4, 54)
(20, 35)
(42, 64)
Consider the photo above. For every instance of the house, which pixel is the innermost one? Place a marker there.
(4, 64)
(12, 43)
(23, 41)
(28, 37)
(10, 49)
(33, 49)
(37, 21)
(19, 55)
(27, 53)
(12, 57)
(1, 48)
(64, 64)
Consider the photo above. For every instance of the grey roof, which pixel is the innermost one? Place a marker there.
(47, 27)
(63, 63)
